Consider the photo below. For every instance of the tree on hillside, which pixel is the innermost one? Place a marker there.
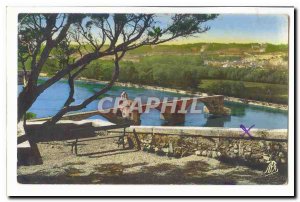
(75, 40)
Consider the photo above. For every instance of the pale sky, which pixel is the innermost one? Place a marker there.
(238, 28)
(243, 28)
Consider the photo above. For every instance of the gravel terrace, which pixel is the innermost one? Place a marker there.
(102, 162)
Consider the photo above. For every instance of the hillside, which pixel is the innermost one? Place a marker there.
(190, 66)
(222, 55)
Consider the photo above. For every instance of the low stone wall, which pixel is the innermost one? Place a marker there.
(226, 144)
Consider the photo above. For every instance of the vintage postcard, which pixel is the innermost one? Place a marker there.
(198, 96)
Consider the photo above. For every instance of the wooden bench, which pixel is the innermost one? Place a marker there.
(79, 131)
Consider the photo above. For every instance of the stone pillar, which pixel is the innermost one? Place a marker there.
(221, 111)
(135, 117)
(215, 105)
(172, 117)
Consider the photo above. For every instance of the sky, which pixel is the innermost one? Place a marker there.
(238, 28)
(242, 28)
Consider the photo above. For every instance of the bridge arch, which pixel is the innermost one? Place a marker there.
(153, 118)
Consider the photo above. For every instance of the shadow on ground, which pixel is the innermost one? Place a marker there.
(102, 162)
(193, 172)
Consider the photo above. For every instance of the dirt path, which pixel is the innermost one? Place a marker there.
(102, 162)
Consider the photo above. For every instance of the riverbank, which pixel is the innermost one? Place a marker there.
(190, 93)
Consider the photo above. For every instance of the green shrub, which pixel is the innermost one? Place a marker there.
(30, 115)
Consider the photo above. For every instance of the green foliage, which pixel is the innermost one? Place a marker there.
(276, 93)
(211, 49)
(30, 115)
(222, 46)
(187, 23)
(277, 48)
(99, 69)
(51, 67)
(184, 71)
(155, 32)
(224, 87)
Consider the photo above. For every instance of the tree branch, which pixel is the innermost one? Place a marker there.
(71, 85)
(67, 109)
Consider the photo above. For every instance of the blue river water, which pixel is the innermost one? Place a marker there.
(52, 99)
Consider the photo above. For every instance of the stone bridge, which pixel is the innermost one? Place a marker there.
(213, 105)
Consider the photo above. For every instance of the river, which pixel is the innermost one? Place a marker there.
(52, 99)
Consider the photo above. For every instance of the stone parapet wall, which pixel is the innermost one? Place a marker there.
(225, 144)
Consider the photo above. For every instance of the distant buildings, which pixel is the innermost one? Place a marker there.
(250, 60)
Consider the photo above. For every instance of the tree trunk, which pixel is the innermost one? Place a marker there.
(25, 99)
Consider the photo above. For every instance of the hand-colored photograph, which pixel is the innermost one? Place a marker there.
(152, 98)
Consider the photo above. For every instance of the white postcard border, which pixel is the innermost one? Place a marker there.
(16, 189)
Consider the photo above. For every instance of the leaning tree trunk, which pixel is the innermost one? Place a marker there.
(25, 100)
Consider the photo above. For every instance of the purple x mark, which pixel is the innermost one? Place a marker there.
(246, 131)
